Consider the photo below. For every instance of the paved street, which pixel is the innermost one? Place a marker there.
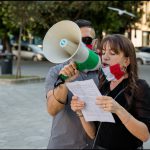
(24, 121)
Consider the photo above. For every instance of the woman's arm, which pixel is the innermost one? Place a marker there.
(136, 127)
(77, 106)
(89, 127)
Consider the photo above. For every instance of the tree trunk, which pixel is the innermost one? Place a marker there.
(6, 44)
(18, 73)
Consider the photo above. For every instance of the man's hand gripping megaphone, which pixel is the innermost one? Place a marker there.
(69, 72)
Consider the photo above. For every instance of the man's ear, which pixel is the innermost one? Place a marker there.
(94, 44)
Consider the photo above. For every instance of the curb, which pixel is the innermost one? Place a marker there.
(20, 81)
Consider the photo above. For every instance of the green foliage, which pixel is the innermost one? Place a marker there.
(37, 17)
(25, 19)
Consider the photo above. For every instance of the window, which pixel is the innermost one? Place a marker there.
(146, 49)
(24, 48)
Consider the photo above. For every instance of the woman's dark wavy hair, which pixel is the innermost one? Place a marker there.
(119, 43)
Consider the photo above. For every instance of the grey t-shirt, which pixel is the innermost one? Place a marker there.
(67, 131)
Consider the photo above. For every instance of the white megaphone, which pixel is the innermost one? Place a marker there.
(63, 42)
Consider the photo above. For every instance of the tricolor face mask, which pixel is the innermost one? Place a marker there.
(89, 46)
(113, 72)
(87, 41)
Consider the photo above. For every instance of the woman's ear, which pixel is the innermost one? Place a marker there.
(127, 61)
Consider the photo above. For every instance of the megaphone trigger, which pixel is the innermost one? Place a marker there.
(60, 80)
(63, 77)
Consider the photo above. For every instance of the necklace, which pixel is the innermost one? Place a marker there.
(114, 83)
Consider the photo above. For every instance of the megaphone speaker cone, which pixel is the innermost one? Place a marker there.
(51, 44)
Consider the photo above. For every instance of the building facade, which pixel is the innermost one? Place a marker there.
(141, 35)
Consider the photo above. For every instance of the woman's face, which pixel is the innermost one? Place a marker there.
(109, 57)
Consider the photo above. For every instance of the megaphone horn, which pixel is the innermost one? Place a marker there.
(52, 49)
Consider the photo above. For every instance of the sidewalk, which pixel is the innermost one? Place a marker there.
(25, 123)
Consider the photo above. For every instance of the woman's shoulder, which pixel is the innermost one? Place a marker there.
(143, 83)
(143, 89)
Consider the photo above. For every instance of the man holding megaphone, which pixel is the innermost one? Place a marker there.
(66, 126)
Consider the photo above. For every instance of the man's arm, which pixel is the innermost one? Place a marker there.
(56, 98)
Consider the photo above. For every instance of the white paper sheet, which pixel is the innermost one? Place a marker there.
(88, 91)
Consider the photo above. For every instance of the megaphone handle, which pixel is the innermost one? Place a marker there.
(63, 77)
(60, 80)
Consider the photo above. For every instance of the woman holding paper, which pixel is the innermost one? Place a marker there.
(124, 94)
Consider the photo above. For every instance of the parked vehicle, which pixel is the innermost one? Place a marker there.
(29, 51)
(143, 55)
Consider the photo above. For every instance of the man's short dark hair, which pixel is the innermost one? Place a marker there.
(83, 23)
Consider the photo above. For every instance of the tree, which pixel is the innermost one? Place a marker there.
(103, 19)
(19, 15)
(4, 32)
(31, 18)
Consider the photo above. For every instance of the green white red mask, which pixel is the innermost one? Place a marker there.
(113, 72)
